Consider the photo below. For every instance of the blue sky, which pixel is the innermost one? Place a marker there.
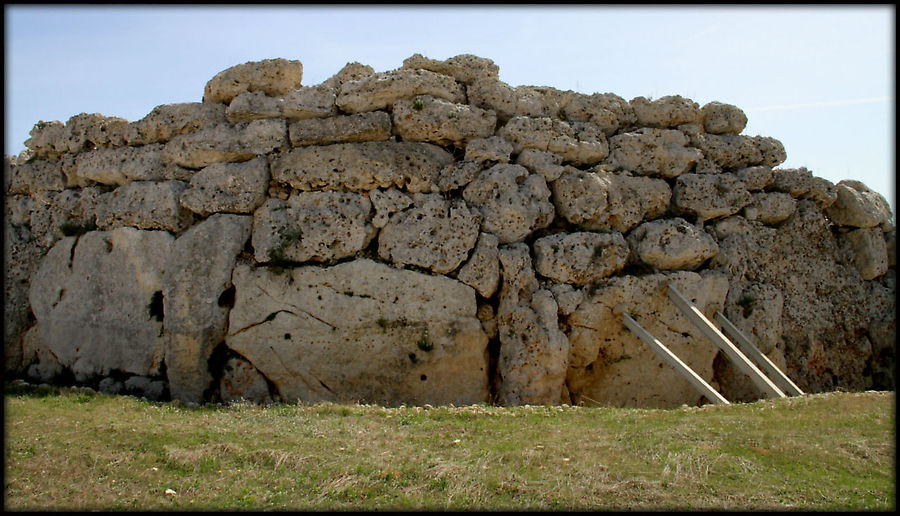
(821, 79)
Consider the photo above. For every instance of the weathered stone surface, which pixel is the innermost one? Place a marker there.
(312, 226)
(505, 100)
(596, 109)
(274, 77)
(512, 201)
(386, 203)
(310, 102)
(243, 382)
(720, 118)
(361, 332)
(482, 271)
(46, 139)
(580, 258)
(869, 251)
(96, 300)
(350, 72)
(225, 143)
(254, 105)
(434, 234)
(197, 273)
(429, 119)
(547, 164)
(363, 166)
(85, 132)
(166, 121)
(600, 200)
(465, 68)
(65, 213)
(122, 165)
(22, 258)
(665, 112)
(858, 206)
(671, 244)
(533, 351)
(145, 205)
(361, 127)
(36, 177)
(555, 136)
(657, 152)
(459, 173)
(709, 196)
(772, 150)
(756, 308)
(801, 184)
(490, 150)
(567, 297)
(228, 188)
(610, 365)
(730, 151)
(770, 207)
(755, 178)
(382, 90)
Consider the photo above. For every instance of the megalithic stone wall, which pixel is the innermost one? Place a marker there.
(431, 234)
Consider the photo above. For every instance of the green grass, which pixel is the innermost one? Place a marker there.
(71, 450)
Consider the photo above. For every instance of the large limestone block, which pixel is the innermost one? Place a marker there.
(656, 152)
(490, 150)
(600, 200)
(47, 139)
(505, 100)
(512, 201)
(274, 77)
(361, 332)
(65, 213)
(350, 72)
(434, 234)
(665, 112)
(35, 177)
(869, 251)
(97, 300)
(533, 350)
(465, 68)
(145, 205)
(361, 127)
(386, 203)
(382, 90)
(671, 244)
(709, 196)
(22, 257)
(228, 188)
(89, 131)
(312, 226)
(772, 151)
(770, 207)
(859, 206)
(254, 105)
(596, 109)
(729, 151)
(482, 271)
(756, 177)
(197, 273)
(166, 121)
(429, 119)
(801, 184)
(547, 134)
(310, 102)
(122, 165)
(580, 258)
(226, 143)
(610, 365)
(756, 310)
(362, 166)
(541, 162)
(721, 118)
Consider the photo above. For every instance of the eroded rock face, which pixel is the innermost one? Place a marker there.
(98, 301)
(197, 274)
(429, 119)
(361, 332)
(549, 135)
(610, 365)
(228, 188)
(533, 351)
(145, 205)
(657, 152)
(580, 258)
(857, 205)
(512, 201)
(362, 166)
(225, 143)
(274, 77)
(312, 226)
(382, 90)
(671, 244)
(709, 196)
(434, 234)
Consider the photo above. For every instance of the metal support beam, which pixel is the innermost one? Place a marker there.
(722, 342)
(742, 342)
(674, 361)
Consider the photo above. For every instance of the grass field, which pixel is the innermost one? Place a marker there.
(67, 449)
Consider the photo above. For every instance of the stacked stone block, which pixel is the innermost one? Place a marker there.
(431, 234)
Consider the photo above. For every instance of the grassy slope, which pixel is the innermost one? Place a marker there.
(73, 450)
